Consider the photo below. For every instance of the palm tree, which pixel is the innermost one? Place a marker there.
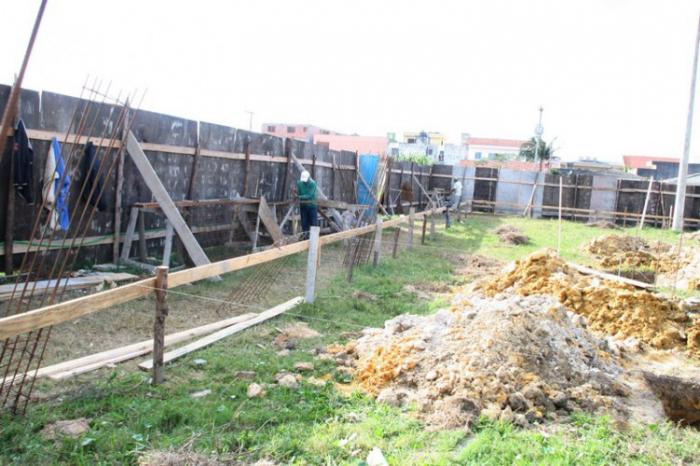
(544, 151)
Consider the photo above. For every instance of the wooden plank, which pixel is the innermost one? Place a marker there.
(432, 201)
(166, 203)
(229, 265)
(221, 334)
(103, 358)
(143, 252)
(201, 203)
(286, 216)
(168, 246)
(69, 283)
(130, 229)
(56, 313)
(611, 277)
(245, 223)
(118, 191)
(270, 221)
(371, 193)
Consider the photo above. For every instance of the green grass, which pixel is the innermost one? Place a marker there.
(319, 425)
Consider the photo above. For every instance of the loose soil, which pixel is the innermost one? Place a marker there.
(509, 234)
(674, 266)
(614, 308)
(521, 359)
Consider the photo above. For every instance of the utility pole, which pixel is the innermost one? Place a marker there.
(539, 129)
(679, 207)
(250, 119)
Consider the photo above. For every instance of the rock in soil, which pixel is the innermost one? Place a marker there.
(289, 381)
(245, 375)
(359, 294)
(299, 331)
(255, 391)
(508, 357)
(67, 428)
(200, 394)
(304, 366)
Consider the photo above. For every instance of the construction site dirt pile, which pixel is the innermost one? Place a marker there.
(615, 308)
(675, 266)
(509, 234)
(521, 359)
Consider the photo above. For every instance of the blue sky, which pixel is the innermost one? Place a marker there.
(613, 75)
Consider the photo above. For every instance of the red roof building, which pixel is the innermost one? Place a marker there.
(635, 162)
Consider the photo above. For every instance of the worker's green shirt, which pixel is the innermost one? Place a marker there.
(307, 192)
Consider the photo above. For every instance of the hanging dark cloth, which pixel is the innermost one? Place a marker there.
(91, 178)
(23, 155)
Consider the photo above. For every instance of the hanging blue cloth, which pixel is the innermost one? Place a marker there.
(61, 186)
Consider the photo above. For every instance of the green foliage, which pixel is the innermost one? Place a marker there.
(420, 159)
(545, 151)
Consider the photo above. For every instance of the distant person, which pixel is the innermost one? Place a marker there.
(308, 211)
(453, 200)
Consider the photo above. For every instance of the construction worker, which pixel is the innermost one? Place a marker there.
(306, 190)
(452, 201)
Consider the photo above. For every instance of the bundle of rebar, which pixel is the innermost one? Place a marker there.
(21, 356)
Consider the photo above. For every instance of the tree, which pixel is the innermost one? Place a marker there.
(544, 151)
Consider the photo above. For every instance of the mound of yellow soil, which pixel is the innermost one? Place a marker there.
(614, 308)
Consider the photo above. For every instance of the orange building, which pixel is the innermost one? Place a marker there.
(361, 144)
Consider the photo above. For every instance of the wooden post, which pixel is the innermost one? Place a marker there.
(257, 232)
(312, 263)
(561, 190)
(333, 170)
(411, 219)
(378, 241)
(288, 169)
(246, 170)
(646, 205)
(159, 323)
(397, 233)
(9, 215)
(352, 256)
(118, 191)
(425, 225)
(143, 252)
(432, 224)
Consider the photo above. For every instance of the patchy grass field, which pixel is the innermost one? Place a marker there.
(320, 425)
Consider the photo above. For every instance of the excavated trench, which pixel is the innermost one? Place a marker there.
(680, 398)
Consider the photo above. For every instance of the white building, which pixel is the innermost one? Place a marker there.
(491, 148)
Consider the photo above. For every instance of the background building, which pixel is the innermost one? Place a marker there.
(491, 148)
(304, 132)
(361, 144)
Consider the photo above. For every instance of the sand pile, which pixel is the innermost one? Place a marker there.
(614, 308)
(509, 234)
(514, 358)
